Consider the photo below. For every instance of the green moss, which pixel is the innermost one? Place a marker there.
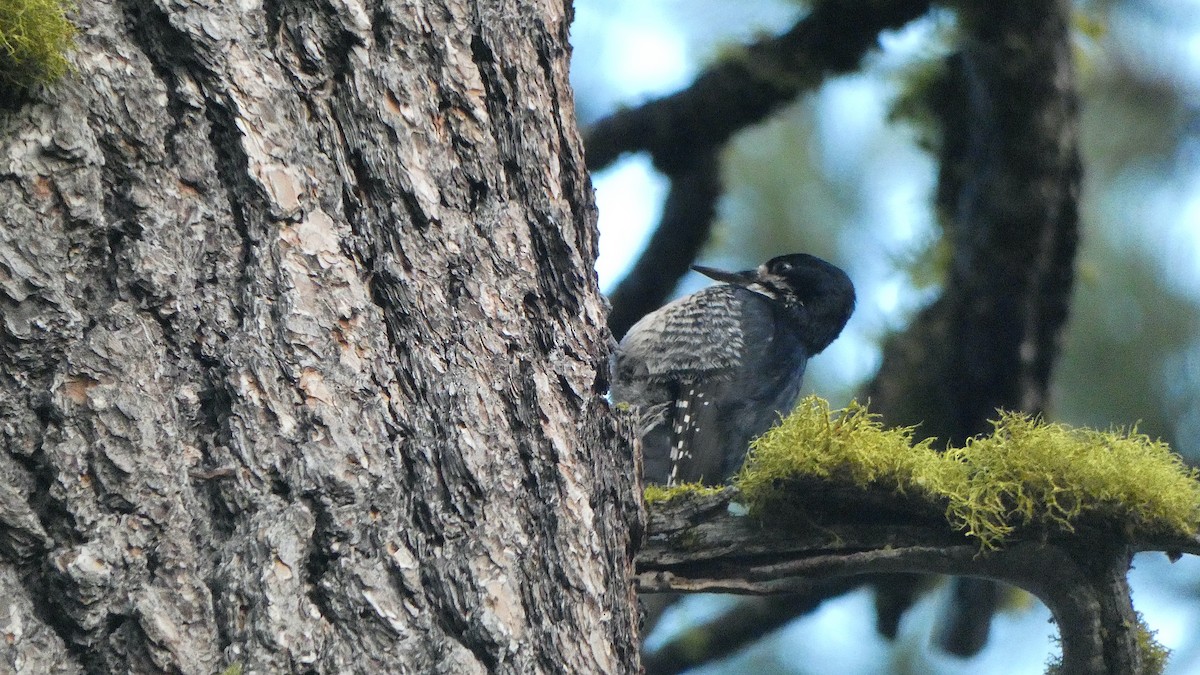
(1154, 655)
(1030, 472)
(35, 37)
(233, 669)
(660, 493)
(1026, 473)
(849, 446)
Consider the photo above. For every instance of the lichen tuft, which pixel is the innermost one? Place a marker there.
(35, 36)
(849, 446)
(1029, 472)
(1026, 473)
(661, 493)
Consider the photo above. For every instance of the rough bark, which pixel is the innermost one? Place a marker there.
(302, 352)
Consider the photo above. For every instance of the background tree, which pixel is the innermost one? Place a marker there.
(785, 183)
(302, 354)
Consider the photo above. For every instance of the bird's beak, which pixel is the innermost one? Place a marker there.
(739, 278)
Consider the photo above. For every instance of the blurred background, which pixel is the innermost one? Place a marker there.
(845, 173)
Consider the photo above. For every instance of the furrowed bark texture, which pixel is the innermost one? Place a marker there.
(302, 352)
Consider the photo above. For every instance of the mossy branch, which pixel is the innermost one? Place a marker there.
(1055, 510)
(1028, 474)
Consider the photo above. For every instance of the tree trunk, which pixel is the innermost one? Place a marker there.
(302, 351)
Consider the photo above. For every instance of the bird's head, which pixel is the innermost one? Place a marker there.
(820, 291)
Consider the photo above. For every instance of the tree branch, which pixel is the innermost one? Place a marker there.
(749, 620)
(686, 221)
(738, 92)
(685, 131)
(694, 543)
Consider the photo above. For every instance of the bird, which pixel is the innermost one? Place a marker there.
(713, 370)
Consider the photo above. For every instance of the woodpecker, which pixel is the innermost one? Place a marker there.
(713, 370)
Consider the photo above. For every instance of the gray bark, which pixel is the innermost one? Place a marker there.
(302, 353)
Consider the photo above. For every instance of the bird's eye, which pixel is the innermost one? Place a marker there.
(783, 267)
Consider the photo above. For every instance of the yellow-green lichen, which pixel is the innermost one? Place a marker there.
(849, 446)
(1031, 472)
(1154, 654)
(661, 493)
(1026, 473)
(35, 37)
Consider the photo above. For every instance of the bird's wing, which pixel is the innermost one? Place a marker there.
(698, 336)
(680, 362)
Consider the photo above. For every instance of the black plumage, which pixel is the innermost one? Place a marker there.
(713, 370)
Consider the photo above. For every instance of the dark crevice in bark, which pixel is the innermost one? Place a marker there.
(129, 646)
(417, 217)
(382, 26)
(121, 221)
(106, 484)
(48, 592)
(366, 193)
(42, 581)
(240, 196)
(453, 618)
(316, 37)
(423, 519)
(557, 280)
(322, 554)
(279, 485)
(497, 99)
(528, 434)
(274, 14)
(52, 512)
(568, 176)
(218, 593)
(151, 31)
